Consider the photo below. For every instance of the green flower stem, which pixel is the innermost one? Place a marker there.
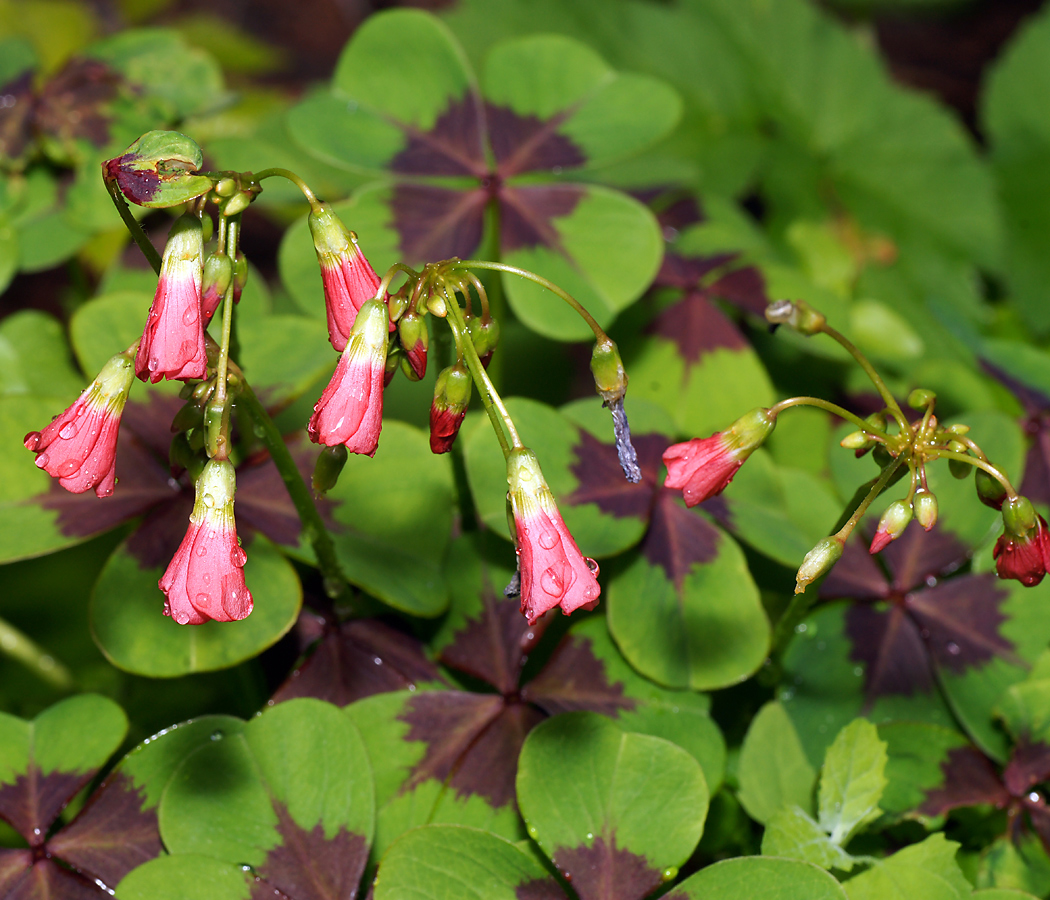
(15, 644)
(599, 333)
(994, 471)
(324, 550)
(232, 235)
(832, 408)
(134, 228)
(278, 172)
(876, 379)
(497, 412)
(384, 285)
(802, 603)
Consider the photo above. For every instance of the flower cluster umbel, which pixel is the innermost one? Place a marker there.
(703, 468)
(376, 329)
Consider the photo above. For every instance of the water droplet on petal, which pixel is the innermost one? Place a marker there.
(153, 364)
(592, 565)
(206, 578)
(238, 557)
(183, 618)
(208, 500)
(591, 591)
(548, 540)
(188, 316)
(553, 581)
(69, 431)
(203, 601)
(42, 460)
(201, 549)
(67, 468)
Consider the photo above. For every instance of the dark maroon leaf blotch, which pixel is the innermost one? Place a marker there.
(46, 880)
(12, 864)
(597, 469)
(33, 801)
(745, 288)
(969, 779)
(528, 214)
(696, 326)
(604, 871)
(530, 144)
(686, 272)
(307, 866)
(436, 222)
(15, 130)
(73, 104)
(452, 147)
(678, 538)
(1029, 765)
(917, 557)
(539, 889)
(111, 835)
(574, 679)
(889, 645)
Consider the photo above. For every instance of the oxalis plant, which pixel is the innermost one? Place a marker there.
(357, 657)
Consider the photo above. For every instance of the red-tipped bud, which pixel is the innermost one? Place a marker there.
(818, 561)
(703, 467)
(172, 343)
(347, 277)
(79, 447)
(412, 329)
(553, 571)
(451, 397)
(1023, 549)
(240, 276)
(218, 273)
(892, 524)
(925, 505)
(350, 410)
(484, 335)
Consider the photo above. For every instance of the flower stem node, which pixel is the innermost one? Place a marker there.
(797, 314)
(412, 329)
(610, 379)
(818, 561)
(172, 344)
(451, 396)
(347, 277)
(925, 505)
(892, 524)
(990, 490)
(553, 571)
(79, 447)
(205, 579)
(218, 275)
(328, 468)
(350, 410)
(703, 467)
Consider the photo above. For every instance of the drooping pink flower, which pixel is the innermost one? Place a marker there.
(79, 447)
(703, 467)
(347, 277)
(1025, 559)
(205, 579)
(350, 410)
(553, 571)
(172, 343)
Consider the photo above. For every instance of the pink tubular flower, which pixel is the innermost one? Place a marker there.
(347, 277)
(553, 571)
(172, 343)
(205, 579)
(1023, 549)
(79, 447)
(703, 467)
(350, 410)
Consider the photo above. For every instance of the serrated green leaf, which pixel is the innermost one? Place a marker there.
(852, 781)
(773, 771)
(926, 870)
(790, 833)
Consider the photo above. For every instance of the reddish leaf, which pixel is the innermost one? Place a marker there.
(890, 646)
(528, 214)
(574, 679)
(111, 835)
(969, 779)
(48, 881)
(1029, 765)
(437, 222)
(308, 866)
(604, 871)
(12, 864)
(857, 575)
(33, 801)
(1039, 816)
(697, 327)
(1036, 423)
(74, 103)
(540, 889)
(600, 476)
(678, 538)
(745, 288)
(921, 557)
(452, 147)
(530, 144)
(357, 659)
(15, 131)
(686, 272)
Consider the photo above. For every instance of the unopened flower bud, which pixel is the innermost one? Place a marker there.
(857, 440)
(329, 465)
(957, 467)
(925, 505)
(484, 335)
(881, 456)
(989, 489)
(920, 398)
(451, 397)
(607, 369)
(818, 561)
(892, 524)
(412, 329)
(240, 276)
(218, 273)
(958, 429)
(1019, 517)
(797, 314)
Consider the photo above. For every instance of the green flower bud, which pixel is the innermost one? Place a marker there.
(484, 335)
(818, 561)
(892, 524)
(989, 489)
(925, 506)
(607, 369)
(329, 465)
(920, 398)
(958, 468)
(857, 440)
(1019, 517)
